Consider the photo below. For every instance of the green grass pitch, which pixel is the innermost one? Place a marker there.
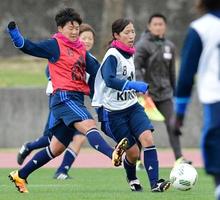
(22, 72)
(98, 184)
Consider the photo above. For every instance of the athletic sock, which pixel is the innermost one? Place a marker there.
(151, 164)
(98, 143)
(38, 160)
(68, 159)
(130, 170)
(41, 142)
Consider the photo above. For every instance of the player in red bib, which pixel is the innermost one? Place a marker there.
(68, 64)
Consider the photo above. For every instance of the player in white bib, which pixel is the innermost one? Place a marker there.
(201, 55)
(118, 110)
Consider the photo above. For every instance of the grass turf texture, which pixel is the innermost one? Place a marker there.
(95, 184)
(22, 72)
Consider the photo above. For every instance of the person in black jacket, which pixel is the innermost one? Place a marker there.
(155, 63)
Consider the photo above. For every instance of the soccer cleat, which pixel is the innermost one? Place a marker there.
(19, 182)
(135, 185)
(182, 160)
(161, 186)
(139, 165)
(119, 151)
(61, 176)
(22, 154)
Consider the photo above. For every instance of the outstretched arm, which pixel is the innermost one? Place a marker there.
(15, 35)
(45, 49)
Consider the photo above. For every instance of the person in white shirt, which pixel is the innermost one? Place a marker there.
(120, 113)
(201, 58)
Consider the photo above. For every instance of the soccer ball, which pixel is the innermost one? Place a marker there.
(183, 176)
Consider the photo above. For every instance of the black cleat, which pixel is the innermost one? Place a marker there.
(161, 186)
(61, 176)
(135, 185)
(22, 154)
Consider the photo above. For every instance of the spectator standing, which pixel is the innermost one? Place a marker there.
(155, 61)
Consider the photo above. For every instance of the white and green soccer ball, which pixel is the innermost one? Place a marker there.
(183, 176)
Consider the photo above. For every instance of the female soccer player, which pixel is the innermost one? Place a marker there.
(86, 35)
(119, 111)
(68, 64)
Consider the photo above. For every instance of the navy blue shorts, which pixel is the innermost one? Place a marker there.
(69, 107)
(60, 132)
(50, 121)
(130, 123)
(47, 131)
(63, 133)
(211, 138)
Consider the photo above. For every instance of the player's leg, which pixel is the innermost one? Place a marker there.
(75, 115)
(151, 163)
(40, 142)
(116, 127)
(139, 164)
(142, 129)
(210, 142)
(166, 108)
(59, 142)
(129, 162)
(28, 147)
(69, 156)
(88, 127)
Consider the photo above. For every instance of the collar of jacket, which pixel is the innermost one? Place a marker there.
(154, 37)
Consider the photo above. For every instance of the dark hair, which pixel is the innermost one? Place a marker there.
(157, 15)
(208, 5)
(119, 25)
(67, 15)
(86, 27)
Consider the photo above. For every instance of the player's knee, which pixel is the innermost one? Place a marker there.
(146, 139)
(56, 147)
(79, 139)
(133, 153)
(85, 126)
(77, 143)
(57, 152)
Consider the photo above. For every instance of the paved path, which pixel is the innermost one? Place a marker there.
(89, 158)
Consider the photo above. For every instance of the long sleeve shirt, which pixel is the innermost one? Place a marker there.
(109, 69)
(49, 49)
(191, 61)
